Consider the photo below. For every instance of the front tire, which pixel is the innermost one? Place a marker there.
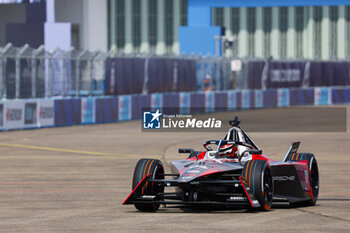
(258, 175)
(143, 168)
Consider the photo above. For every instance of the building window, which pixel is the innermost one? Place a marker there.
(235, 28)
(169, 26)
(347, 25)
(120, 18)
(283, 27)
(299, 28)
(218, 16)
(183, 8)
(317, 16)
(152, 23)
(136, 24)
(333, 17)
(251, 31)
(267, 27)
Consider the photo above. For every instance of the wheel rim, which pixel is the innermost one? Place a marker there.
(314, 182)
(268, 187)
(158, 174)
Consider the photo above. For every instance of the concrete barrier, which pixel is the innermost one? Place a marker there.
(36, 113)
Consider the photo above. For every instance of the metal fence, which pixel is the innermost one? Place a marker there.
(214, 73)
(26, 72)
(168, 72)
(34, 73)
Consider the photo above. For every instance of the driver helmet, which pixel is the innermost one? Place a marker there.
(224, 151)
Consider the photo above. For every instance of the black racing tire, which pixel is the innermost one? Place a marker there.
(313, 177)
(143, 168)
(258, 175)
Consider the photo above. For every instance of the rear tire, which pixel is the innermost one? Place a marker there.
(313, 177)
(258, 175)
(143, 168)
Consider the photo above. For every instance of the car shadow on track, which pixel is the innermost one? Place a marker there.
(182, 209)
(207, 210)
(334, 199)
(220, 210)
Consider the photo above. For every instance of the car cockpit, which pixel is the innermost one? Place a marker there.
(235, 145)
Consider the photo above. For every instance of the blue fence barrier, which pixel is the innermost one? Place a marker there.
(36, 113)
(149, 75)
(106, 109)
(294, 74)
(340, 96)
(67, 112)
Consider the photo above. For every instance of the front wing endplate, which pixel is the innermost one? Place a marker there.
(250, 195)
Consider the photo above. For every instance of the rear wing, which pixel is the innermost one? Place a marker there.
(293, 149)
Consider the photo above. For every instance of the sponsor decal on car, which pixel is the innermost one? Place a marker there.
(238, 198)
(184, 178)
(195, 171)
(284, 178)
(306, 175)
(199, 166)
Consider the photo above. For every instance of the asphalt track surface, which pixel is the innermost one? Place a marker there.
(74, 179)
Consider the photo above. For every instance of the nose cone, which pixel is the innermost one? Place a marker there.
(192, 173)
(187, 178)
(204, 168)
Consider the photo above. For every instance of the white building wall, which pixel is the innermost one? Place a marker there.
(291, 34)
(96, 25)
(341, 33)
(325, 33)
(71, 11)
(90, 16)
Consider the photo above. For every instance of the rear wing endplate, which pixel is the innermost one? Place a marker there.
(293, 149)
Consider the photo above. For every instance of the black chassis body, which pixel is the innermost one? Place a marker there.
(205, 180)
(224, 185)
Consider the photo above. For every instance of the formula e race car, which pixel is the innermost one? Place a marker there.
(236, 173)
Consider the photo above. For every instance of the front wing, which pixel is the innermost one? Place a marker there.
(185, 194)
(290, 184)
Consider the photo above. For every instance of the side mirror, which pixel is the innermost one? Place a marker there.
(192, 152)
(185, 150)
(257, 152)
(248, 152)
